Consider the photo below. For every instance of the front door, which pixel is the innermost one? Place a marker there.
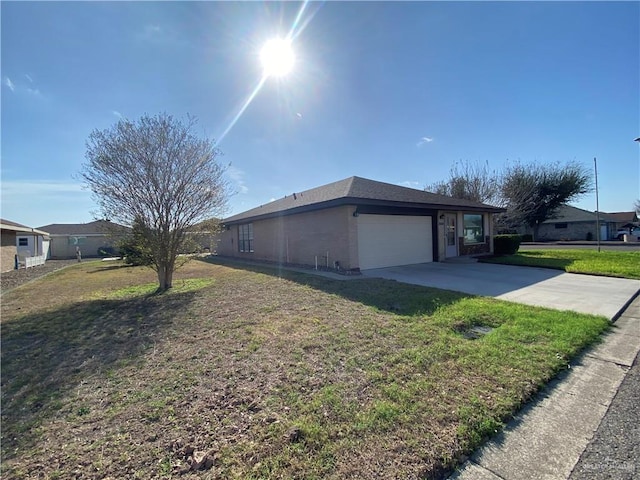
(450, 236)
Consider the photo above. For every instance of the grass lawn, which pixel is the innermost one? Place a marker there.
(248, 374)
(606, 263)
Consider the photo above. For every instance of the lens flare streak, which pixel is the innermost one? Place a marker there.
(244, 106)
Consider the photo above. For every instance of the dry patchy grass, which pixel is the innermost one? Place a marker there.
(289, 376)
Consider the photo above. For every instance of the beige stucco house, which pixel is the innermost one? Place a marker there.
(356, 224)
(89, 238)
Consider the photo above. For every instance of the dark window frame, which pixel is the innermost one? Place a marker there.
(245, 238)
(478, 238)
(561, 225)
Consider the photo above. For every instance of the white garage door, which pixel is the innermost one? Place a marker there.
(389, 240)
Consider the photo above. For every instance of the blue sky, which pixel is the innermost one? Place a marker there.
(391, 91)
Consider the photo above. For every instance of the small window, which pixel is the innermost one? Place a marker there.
(23, 242)
(245, 238)
(473, 228)
(561, 225)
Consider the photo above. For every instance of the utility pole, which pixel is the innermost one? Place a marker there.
(595, 167)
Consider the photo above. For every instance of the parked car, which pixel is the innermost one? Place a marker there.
(625, 231)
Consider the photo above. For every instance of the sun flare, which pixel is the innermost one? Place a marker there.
(277, 57)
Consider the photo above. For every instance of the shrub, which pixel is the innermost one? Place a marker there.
(134, 251)
(506, 244)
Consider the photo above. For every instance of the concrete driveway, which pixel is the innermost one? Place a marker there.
(532, 286)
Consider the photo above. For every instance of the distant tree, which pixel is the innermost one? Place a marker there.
(156, 175)
(533, 193)
(470, 182)
(636, 205)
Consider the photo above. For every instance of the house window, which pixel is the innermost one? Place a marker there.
(23, 242)
(561, 225)
(245, 237)
(473, 228)
(77, 240)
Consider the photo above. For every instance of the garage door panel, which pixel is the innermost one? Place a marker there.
(389, 240)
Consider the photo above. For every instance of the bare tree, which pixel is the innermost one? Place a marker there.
(157, 175)
(470, 182)
(533, 193)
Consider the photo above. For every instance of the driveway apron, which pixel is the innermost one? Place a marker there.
(532, 286)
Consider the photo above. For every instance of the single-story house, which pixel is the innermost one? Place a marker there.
(89, 238)
(622, 220)
(18, 239)
(572, 223)
(356, 224)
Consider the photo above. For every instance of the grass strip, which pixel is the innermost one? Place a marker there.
(604, 263)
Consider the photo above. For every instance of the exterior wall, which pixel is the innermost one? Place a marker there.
(476, 248)
(8, 251)
(330, 235)
(441, 240)
(472, 249)
(299, 238)
(34, 245)
(64, 246)
(574, 231)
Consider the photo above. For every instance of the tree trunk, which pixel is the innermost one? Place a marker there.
(165, 277)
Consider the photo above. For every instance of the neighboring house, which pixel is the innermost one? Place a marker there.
(356, 224)
(18, 239)
(572, 223)
(622, 221)
(67, 238)
(203, 237)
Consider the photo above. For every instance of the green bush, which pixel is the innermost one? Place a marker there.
(506, 244)
(134, 251)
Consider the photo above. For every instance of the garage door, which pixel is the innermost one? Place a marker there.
(389, 240)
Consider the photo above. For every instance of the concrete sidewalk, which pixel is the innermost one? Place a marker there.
(546, 440)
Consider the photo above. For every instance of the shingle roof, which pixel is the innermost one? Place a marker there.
(358, 191)
(97, 227)
(567, 214)
(620, 217)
